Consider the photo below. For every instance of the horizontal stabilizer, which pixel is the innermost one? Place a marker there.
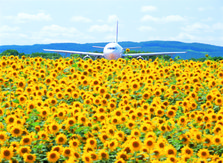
(98, 47)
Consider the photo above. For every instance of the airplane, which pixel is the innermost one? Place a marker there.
(113, 51)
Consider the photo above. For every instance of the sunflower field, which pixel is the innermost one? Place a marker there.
(101, 111)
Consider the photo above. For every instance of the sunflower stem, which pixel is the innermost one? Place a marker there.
(134, 157)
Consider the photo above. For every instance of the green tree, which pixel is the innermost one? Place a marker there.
(10, 52)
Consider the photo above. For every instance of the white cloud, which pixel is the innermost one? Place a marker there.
(149, 18)
(185, 36)
(218, 26)
(55, 33)
(101, 28)
(169, 18)
(56, 30)
(7, 28)
(81, 19)
(208, 19)
(148, 8)
(23, 17)
(112, 18)
(145, 28)
(197, 27)
(201, 9)
(172, 18)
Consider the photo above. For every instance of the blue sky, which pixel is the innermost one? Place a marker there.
(27, 22)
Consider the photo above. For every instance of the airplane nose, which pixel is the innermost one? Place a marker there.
(112, 56)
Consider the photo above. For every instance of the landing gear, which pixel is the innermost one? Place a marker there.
(87, 56)
(140, 57)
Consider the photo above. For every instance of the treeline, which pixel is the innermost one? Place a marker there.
(207, 58)
(37, 54)
(57, 56)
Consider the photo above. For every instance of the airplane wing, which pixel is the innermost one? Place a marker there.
(74, 52)
(152, 54)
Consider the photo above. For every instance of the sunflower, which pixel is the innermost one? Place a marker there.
(120, 135)
(61, 114)
(209, 97)
(86, 157)
(104, 102)
(23, 150)
(103, 137)
(112, 105)
(29, 158)
(15, 145)
(52, 101)
(1, 111)
(122, 155)
(92, 142)
(54, 127)
(48, 80)
(21, 84)
(22, 99)
(43, 135)
(53, 156)
(59, 95)
(102, 90)
(115, 120)
(135, 86)
(131, 124)
(219, 101)
(61, 139)
(187, 151)
(198, 136)
(76, 155)
(6, 153)
(159, 112)
(170, 113)
(26, 140)
(82, 119)
(16, 131)
(58, 148)
(203, 153)
(112, 145)
(208, 140)
(93, 155)
(149, 143)
(10, 119)
(146, 95)
(70, 121)
(3, 136)
(123, 119)
(67, 152)
(156, 153)
(182, 120)
(170, 150)
(144, 128)
(157, 93)
(135, 144)
(103, 155)
(135, 132)
(172, 159)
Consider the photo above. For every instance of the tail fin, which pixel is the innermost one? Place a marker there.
(116, 40)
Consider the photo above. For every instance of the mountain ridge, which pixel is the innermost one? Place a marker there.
(194, 50)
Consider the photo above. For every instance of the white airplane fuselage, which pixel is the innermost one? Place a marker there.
(113, 51)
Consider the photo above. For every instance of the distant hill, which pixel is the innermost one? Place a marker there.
(194, 50)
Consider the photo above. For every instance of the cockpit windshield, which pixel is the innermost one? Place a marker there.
(112, 48)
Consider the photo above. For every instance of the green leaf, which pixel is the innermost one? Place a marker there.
(15, 101)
